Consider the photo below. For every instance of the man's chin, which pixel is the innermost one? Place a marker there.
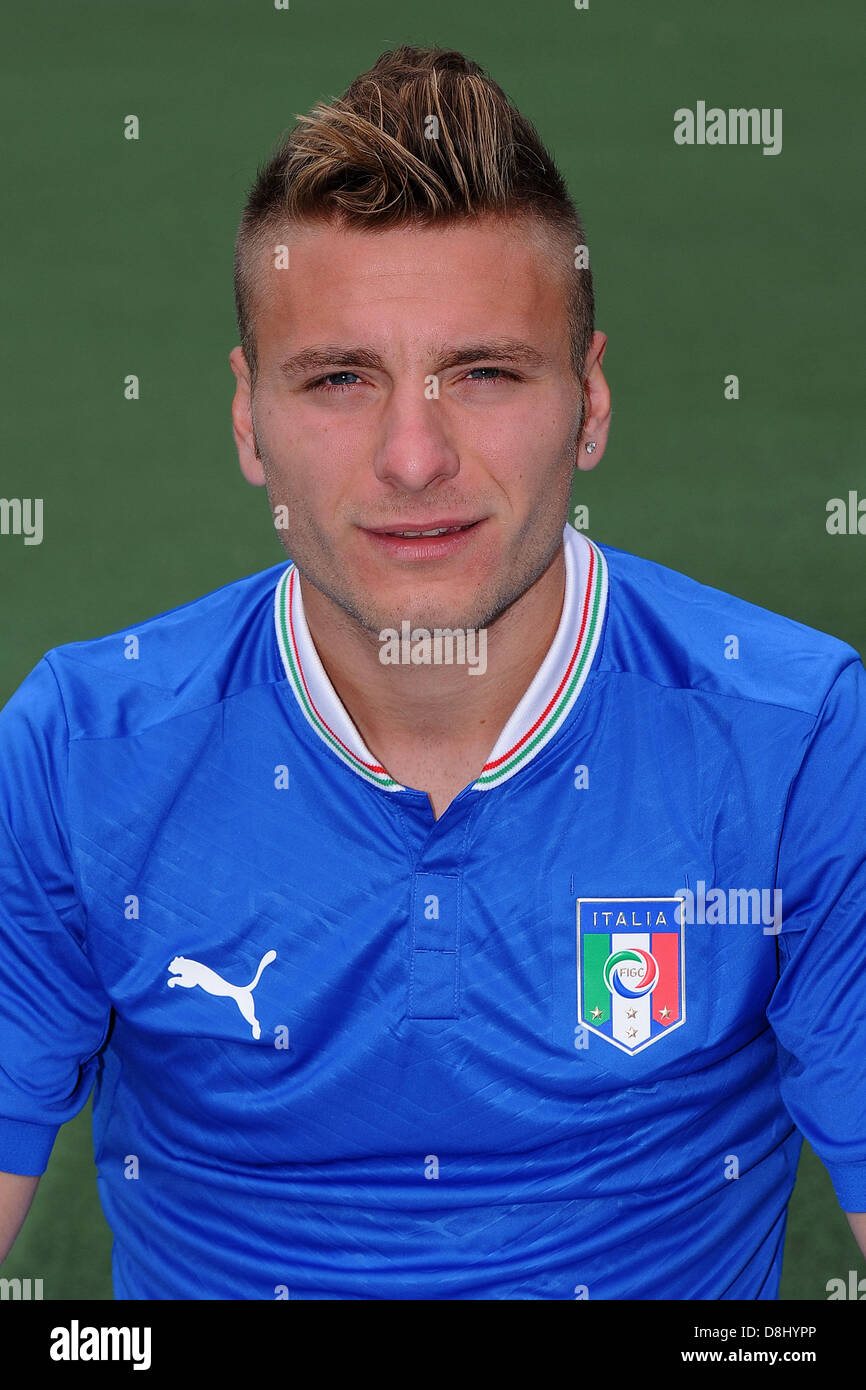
(422, 616)
(390, 609)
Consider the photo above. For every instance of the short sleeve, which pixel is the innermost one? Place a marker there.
(818, 1008)
(54, 1015)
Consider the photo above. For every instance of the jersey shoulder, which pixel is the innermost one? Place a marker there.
(675, 631)
(186, 658)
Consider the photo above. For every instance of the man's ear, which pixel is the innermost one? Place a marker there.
(596, 423)
(242, 421)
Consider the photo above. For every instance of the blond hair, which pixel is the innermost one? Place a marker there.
(365, 160)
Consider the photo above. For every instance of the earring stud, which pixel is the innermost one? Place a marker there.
(590, 448)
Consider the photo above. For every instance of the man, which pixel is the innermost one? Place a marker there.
(402, 977)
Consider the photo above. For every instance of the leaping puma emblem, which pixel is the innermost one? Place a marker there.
(190, 973)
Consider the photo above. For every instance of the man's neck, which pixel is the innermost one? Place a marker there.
(433, 726)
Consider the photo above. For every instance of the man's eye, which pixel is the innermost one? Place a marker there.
(324, 383)
(321, 384)
(499, 374)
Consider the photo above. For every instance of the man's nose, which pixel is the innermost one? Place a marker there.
(416, 447)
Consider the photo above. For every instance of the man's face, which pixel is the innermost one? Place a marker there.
(387, 431)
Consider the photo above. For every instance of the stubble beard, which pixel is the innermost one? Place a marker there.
(308, 548)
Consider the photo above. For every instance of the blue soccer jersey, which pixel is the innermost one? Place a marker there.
(561, 1042)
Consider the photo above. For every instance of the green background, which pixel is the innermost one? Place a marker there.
(707, 261)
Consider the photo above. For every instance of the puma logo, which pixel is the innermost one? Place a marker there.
(190, 973)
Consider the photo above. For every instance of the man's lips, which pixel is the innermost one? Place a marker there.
(449, 535)
(415, 529)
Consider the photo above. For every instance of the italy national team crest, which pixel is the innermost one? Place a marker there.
(630, 969)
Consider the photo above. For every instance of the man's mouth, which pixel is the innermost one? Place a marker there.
(443, 529)
(405, 541)
(437, 531)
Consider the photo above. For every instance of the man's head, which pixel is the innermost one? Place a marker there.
(421, 351)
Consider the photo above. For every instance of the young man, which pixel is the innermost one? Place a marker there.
(519, 976)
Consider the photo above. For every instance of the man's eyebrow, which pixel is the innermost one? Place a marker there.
(497, 350)
(315, 359)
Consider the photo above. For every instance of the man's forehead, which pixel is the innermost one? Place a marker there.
(486, 251)
(479, 280)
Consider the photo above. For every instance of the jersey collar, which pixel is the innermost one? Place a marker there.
(540, 713)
